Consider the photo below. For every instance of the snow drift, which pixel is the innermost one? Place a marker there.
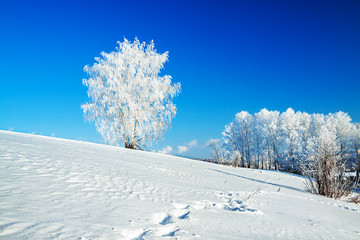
(65, 189)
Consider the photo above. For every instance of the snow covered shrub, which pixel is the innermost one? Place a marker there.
(236, 159)
(130, 102)
(355, 199)
(325, 166)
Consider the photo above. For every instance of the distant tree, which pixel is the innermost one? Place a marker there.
(231, 139)
(237, 137)
(356, 148)
(319, 146)
(258, 143)
(317, 121)
(244, 122)
(271, 134)
(290, 126)
(304, 130)
(130, 102)
(217, 151)
(344, 129)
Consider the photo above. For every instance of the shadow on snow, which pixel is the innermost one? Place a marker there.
(259, 181)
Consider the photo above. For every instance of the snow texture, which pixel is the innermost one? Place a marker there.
(54, 188)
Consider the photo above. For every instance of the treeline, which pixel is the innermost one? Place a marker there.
(288, 141)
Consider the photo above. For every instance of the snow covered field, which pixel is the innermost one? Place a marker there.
(65, 189)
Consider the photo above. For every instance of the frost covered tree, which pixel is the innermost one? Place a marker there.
(270, 139)
(355, 138)
(244, 121)
(130, 102)
(237, 137)
(290, 126)
(304, 130)
(270, 130)
(344, 128)
(230, 137)
(259, 142)
(317, 121)
(218, 153)
(325, 165)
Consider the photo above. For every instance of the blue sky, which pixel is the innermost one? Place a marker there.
(229, 56)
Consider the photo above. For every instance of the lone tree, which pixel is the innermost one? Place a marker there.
(130, 102)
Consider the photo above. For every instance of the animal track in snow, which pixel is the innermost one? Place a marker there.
(347, 208)
(135, 234)
(166, 224)
(229, 201)
(162, 225)
(234, 202)
(167, 231)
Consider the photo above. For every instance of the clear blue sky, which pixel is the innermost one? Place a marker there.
(228, 55)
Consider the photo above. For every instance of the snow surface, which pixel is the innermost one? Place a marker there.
(65, 189)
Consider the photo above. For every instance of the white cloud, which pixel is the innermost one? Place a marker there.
(166, 150)
(187, 146)
(182, 149)
(193, 143)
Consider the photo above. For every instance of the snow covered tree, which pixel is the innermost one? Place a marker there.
(325, 166)
(257, 146)
(243, 121)
(290, 126)
(317, 121)
(130, 102)
(270, 139)
(270, 131)
(344, 128)
(304, 130)
(237, 137)
(356, 147)
(230, 137)
(218, 153)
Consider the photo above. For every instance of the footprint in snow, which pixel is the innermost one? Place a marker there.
(161, 224)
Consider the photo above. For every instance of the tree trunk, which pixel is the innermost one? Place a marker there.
(357, 177)
(130, 145)
(358, 168)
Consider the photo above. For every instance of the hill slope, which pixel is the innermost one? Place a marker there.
(64, 189)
